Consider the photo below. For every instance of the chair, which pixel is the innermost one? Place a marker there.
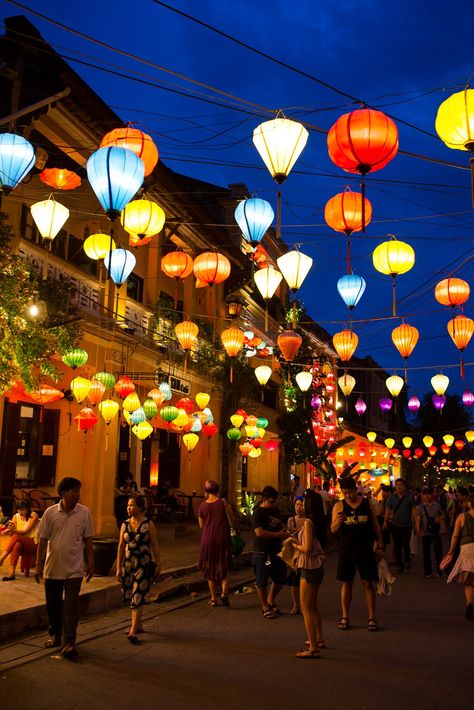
(155, 510)
(183, 505)
(40, 500)
(18, 495)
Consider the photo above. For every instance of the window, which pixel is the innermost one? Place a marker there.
(135, 288)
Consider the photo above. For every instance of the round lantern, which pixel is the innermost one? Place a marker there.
(316, 402)
(49, 216)
(251, 420)
(360, 407)
(190, 441)
(455, 123)
(469, 436)
(261, 423)
(115, 174)
(60, 179)
(254, 216)
(371, 436)
(124, 386)
(80, 388)
(237, 420)
(98, 245)
(295, 267)
(428, 441)
(86, 419)
(389, 443)
(468, 398)
(440, 383)
(108, 408)
(346, 383)
(177, 265)
(344, 212)
(120, 264)
(263, 374)
(150, 408)
(169, 413)
(187, 333)
(289, 343)
(351, 288)
(304, 380)
(187, 404)
(202, 399)
(234, 434)
(135, 241)
(254, 453)
(96, 391)
(452, 292)
(142, 429)
(142, 218)
(279, 143)
(393, 258)
(232, 340)
(345, 342)
(135, 140)
(17, 158)
(131, 402)
(107, 379)
(77, 357)
(414, 403)
(385, 404)
(211, 268)
(394, 385)
(439, 400)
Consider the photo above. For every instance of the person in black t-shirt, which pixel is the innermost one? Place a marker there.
(269, 531)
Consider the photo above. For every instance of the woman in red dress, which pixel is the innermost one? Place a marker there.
(215, 555)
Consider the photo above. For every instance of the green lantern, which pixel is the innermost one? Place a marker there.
(169, 413)
(75, 358)
(107, 379)
(262, 423)
(150, 408)
(234, 434)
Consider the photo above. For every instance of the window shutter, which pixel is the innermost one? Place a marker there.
(11, 425)
(48, 448)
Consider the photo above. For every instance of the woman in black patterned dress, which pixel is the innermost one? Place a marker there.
(138, 546)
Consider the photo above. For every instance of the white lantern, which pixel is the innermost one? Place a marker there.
(304, 380)
(280, 142)
(49, 217)
(294, 266)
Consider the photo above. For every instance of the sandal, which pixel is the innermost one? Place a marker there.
(321, 644)
(52, 642)
(372, 625)
(276, 610)
(133, 639)
(306, 653)
(295, 611)
(344, 624)
(138, 631)
(69, 652)
(225, 600)
(268, 614)
(212, 602)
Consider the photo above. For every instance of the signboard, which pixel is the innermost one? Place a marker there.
(177, 384)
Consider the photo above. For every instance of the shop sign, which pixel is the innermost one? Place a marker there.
(177, 384)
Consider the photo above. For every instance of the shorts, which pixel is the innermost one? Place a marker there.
(293, 578)
(313, 576)
(276, 570)
(366, 565)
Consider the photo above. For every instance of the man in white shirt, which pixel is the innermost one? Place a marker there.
(64, 556)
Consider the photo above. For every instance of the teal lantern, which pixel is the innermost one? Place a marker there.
(150, 408)
(351, 288)
(254, 216)
(197, 426)
(169, 413)
(17, 157)
(77, 357)
(107, 379)
(234, 434)
(209, 415)
(115, 175)
(262, 423)
(166, 389)
(120, 264)
(138, 415)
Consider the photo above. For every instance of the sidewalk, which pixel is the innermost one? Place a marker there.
(22, 605)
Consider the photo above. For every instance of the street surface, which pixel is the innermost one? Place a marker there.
(202, 658)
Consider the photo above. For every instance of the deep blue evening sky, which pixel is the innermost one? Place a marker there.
(403, 57)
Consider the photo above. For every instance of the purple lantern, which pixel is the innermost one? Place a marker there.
(467, 398)
(316, 402)
(414, 403)
(439, 400)
(360, 407)
(385, 404)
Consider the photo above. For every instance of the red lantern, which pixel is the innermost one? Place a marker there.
(86, 419)
(60, 179)
(177, 265)
(185, 403)
(445, 448)
(124, 386)
(140, 143)
(210, 430)
(343, 212)
(406, 453)
(452, 292)
(211, 268)
(272, 445)
(418, 453)
(459, 444)
(394, 452)
(432, 450)
(289, 343)
(257, 442)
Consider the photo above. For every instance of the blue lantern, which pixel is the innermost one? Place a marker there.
(120, 264)
(254, 216)
(115, 174)
(138, 416)
(351, 288)
(17, 157)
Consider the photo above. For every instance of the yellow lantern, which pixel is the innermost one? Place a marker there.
(49, 217)
(394, 385)
(131, 402)
(347, 383)
(407, 441)
(371, 436)
(142, 430)
(255, 453)
(182, 418)
(304, 380)
(190, 441)
(98, 245)
(187, 333)
(469, 436)
(393, 258)
(428, 441)
(142, 218)
(389, 443)
(251, 431)
(345, 343)
(261, 432)
(263, 374)
(80, 388)
(448, 439)
(440, 383)
(280, 142)
(455, 123)
(202, 399)
(126, 416)
(236, 420)
(108, 409)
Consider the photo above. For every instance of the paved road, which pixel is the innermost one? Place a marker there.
(202, 658)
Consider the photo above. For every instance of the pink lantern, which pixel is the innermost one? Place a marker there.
(467, 398)
(360, 407)
(385, 404)
(439, 400)
(316, 402)
(413, 404)
(272, 445)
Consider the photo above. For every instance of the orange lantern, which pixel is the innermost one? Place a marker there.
(233, 341)
(432, 450)
(135, 241)
(405, 338)
(211, 268)
(187, 333)
(345, 343)
(452, 292)
(140, 143)
(459, 444)
(461, 329)
(245, 448)
(60, 179)
(96, 391)
(343, 212)
(177, 264)
(124, 386)
(46, 394)
(289, 343)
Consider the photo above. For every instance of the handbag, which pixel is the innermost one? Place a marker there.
(237, 542)
(432, 527)
(289, 554)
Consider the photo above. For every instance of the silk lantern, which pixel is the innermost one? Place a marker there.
(469, 436)
(234, 434)
(202, 399)
(459, 444)
(98, 245)
(150, 408)
(211, 268)
(80, 387)
(60, 179)
(233, 341)
(17, 158)
(461, 329)
(343, 212)
(166, 389)
(187, 334)
(190, 441)
(49, 216)
(452, 292)
(448, 439)
(468, 398)
(432, 450)
(455, 124)
(169, 413)
(346, 383)
(289, 343)
(115, 174)
(254, 216)
(407, 441)
(345, 342)
(304, 380)
(138, 415)
(267, 281)
(393, 258)
(86, 419)
(263, 374)
(135, 140)
(96, 391)
(272, 445)
(108, 408)
(428, 441)
(157, 396)
(405, 338)
(124, 386)
(142, 429)
(279, 143)
(237, 420)
(120, 264)
(351, 288)
(439, 400)
(75, 357)
(414, 403)
(131, 402)
(394, 385)
(385, 404)
(389, 443)
(360, 407)
(440, 383)
(143, 218)
(371, 436)
(177, 265)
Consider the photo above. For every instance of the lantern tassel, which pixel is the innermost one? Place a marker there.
(266, 316)
(406, 373)
(363, 206)
(461, 367)
(230, 373)
(471, 162)
(394, 297)
(349, 256)
(294, 314)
